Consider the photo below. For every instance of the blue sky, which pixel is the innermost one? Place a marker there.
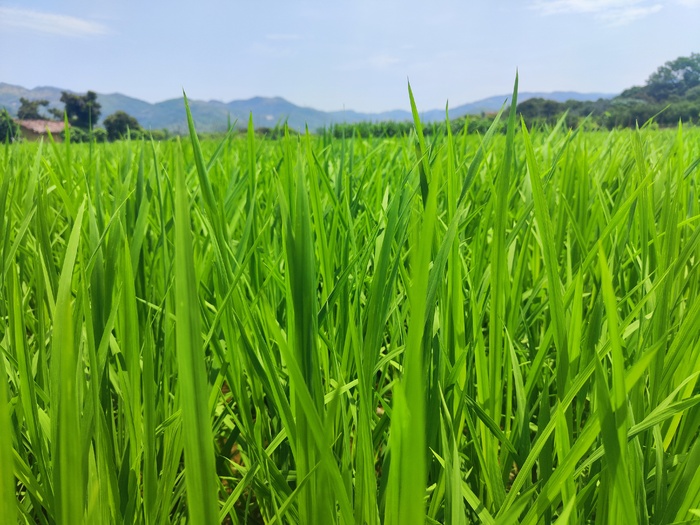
(341, 54)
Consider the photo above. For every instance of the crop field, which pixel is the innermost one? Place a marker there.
(500, 328)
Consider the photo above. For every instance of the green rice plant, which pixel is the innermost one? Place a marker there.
(423, 329)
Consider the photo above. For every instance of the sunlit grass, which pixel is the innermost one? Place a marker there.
(453, 329)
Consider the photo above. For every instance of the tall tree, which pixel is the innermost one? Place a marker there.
(119, 123)
(83, 111)
(675, 77)
(29, 109)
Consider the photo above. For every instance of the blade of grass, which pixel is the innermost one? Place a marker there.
(200, 473)
(69, 482)
(8, 501)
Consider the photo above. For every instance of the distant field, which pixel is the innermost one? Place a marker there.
(467, 329)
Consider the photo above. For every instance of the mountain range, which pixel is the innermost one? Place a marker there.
(214, 115)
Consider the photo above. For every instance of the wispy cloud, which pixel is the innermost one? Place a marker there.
(614, 12)
(49, 23)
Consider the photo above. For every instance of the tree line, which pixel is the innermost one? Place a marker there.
(671, 95)
(81, 112)
(392, 128)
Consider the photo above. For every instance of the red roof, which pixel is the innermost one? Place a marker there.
(42, 126)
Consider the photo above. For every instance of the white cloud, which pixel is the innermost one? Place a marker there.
(614, 12)
(49, 23)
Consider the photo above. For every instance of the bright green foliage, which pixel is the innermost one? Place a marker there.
(428, 329)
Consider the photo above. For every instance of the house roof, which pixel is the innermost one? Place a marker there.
(42, 126)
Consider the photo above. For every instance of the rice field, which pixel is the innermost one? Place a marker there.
(492, 329)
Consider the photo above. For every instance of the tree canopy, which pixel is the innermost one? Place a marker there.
(119, 124)
(674, 78)
(29, 109)
(671, 94)
(83, 111)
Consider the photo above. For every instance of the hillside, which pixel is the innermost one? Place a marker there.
(267, 111)
(670, 95)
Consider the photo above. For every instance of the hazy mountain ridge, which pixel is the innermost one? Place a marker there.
(214, 115)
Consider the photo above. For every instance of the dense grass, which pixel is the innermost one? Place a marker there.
(496, 329)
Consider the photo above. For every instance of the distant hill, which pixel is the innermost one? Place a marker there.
(267, 111)
(670, 95)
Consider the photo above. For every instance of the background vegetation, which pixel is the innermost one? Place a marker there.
(670, 95)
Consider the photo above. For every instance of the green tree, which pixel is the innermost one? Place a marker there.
(540, 109)
(8, 127)
(29, 109)
(119, 123)
(693, 94)
(675, 77)
(83, 111)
